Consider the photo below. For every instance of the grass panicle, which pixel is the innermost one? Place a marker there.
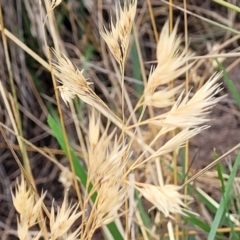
(191, 112)
(72, 80)
(105, 170)
(171, 60)
(61, 222)
(28, 208)
(117, 38)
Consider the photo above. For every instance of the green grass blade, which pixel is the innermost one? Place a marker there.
(225, 3)
(197, 222)
(136, 69)
(144, 216)
(225, 198)
(57, 130)
(220, 176)
(79, 170)
(230, 84)
(88, 55)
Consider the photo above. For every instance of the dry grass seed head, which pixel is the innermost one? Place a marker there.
(175, 143)
(69, 75)
(111, 39)
(171, 60)
(127, 15)
(163, 98)
(94, 128)
(166, 199)
(105, 162)
(117, 38)
(24, 234)
(22, 229)
(111, 196)
(111, 192)
(73, 82)
(61, 222)
(105, 170)
(24, 202)
(105, 154)
(22, 195)
(191, 113)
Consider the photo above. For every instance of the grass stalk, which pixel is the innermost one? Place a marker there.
(15, 103)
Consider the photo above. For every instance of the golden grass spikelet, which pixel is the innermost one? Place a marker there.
(74, 236)
(166, 199)
(61, 222)
(174, 143)
(105, 154)
(111, 196)
(24, 202)
(23, 234)
(73, 82)
(162, 98)
(22, 229)
(111, 39)
(106, 161)
(107, 174)
(117, 38)
(94, 129)
(37, 236)
(171, 59)
(22, 195)
(190, 113)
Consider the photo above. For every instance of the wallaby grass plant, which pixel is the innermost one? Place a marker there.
(115, 148)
